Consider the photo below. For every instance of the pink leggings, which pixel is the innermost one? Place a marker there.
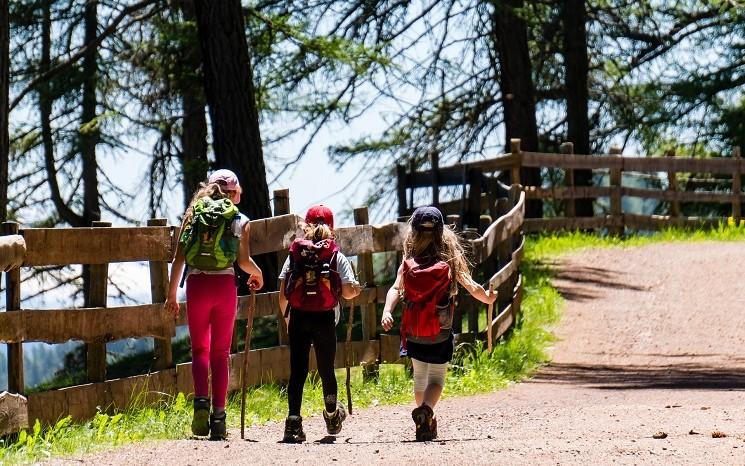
(211, 304)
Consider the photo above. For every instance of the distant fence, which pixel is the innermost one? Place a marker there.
(479, 189)
(498, 253)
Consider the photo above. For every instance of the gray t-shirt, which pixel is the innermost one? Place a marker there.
(342, 266)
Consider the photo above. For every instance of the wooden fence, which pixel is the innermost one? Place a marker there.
(474, 176)
(498, 253)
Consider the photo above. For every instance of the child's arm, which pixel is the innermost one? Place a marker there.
(177, 269)
(391, 300)
(283, 301)
(246, 262)
(350, 287)
(476, 290)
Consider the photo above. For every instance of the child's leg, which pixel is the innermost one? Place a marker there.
(435, 384)
(300, 339)
(421, 370)
(198, 305)
(324, 342)
(222, 321)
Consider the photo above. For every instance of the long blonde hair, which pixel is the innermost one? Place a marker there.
(212, 190)
(444, 245)
(317, 231)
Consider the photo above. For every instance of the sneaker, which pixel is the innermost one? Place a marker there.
(200, 423)
(423, 420)
(294, 430)
(218, 429)
(334, 420)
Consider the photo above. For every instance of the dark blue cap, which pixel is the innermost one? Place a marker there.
(427, 214)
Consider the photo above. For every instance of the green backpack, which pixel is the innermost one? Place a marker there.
(208, 240)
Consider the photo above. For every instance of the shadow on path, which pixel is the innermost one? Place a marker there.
(683, 376)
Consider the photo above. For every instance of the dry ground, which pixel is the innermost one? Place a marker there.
(651, 341)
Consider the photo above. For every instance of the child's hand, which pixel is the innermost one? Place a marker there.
(387, 320)
(172, 307)
(256, 281)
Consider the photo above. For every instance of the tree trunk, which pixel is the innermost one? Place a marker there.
(194, 162)
(89, 132)
(45, 113)
(228, 84)
(576, 68)
(518, 93)
(4, 82)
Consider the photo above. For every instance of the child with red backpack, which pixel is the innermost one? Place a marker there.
(213, 235)
(312, 279)
(427, 281)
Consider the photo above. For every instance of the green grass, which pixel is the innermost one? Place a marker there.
(473, 369)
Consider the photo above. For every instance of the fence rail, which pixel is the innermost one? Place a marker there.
(498, 253)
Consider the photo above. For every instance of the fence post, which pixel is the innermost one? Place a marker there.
(616, 210)
(159, 292)
(736, 188)
(98, 280)
(474, 198)
(366, 276)
(281, 207)
(16, 382)
(515, 170)
(672, 186)
(434, 158)
(401, 185)
(571, 209)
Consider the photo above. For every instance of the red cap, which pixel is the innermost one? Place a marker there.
(320, 214)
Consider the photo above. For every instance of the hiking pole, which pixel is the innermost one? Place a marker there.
(244, 368)
(489, 314)
(348, 348)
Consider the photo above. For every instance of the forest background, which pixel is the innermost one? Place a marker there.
(116, 110)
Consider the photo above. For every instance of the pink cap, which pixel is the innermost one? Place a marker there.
(320, 214)
(226, 179)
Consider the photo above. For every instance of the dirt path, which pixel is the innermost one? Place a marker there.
(651, 340)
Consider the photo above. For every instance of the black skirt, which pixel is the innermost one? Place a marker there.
(435, 353)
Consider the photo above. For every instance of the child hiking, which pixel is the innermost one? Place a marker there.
(213, 235)
(427, 281)
(312, 279)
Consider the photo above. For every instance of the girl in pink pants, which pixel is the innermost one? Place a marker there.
(211, 302)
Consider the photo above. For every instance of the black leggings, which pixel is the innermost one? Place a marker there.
(318, 328)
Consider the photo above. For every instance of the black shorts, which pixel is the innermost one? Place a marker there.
(436, 353)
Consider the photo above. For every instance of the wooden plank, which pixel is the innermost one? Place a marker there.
(679, 196)
(12, 304)
(274, 233)
(656, 222)
(389, 348)
(570, 162)
(12, 252)
(684, 164)
(61, 246)
(503, 322)
(86, 324)
(159, 292)
(565, 192)
(13, 413)
(388, 237)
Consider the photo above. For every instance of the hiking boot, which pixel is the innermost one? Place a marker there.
(218, 429)
(423, 419)
(200, 423)
(334, 420)
(294, 430)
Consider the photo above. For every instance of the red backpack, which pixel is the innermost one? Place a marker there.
(424, 287)
(313, 283)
